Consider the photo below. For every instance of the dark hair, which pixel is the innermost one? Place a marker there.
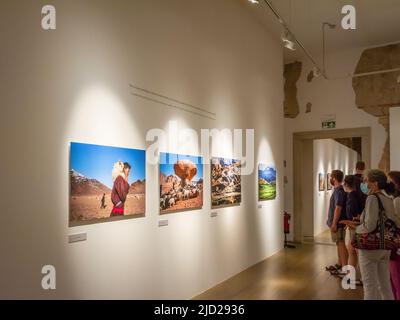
(127, 166)
(351, 181)
(395, 177)
(381, 179)
(354, 183)
(360, 165)
(337, 175)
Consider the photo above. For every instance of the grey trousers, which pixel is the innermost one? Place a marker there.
(375, 273)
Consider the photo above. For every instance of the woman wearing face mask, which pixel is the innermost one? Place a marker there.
(394, 178)
(374, 264)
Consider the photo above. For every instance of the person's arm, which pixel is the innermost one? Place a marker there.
(119, 188)
(336, 217)
(397, 210)
(371, 215)
(351, 224)
(340, 203)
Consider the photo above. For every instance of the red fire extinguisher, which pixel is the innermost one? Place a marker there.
(286, 229)
(286, 224)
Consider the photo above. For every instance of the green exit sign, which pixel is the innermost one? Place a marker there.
(330, 124)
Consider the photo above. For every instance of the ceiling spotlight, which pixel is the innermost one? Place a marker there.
(316, 72)
(289, 45)
(254, 1)
(288, 42)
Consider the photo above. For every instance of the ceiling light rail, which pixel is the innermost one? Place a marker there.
(171, 102)
(293, 36)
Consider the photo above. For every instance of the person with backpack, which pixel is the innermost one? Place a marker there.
(374, 263)
(394, 178)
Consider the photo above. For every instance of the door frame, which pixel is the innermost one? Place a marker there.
(298, 139)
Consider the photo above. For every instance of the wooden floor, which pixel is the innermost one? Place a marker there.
(292, 274)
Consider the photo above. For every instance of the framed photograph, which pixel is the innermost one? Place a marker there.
(328, 181)
(226, 183)
(106, 183)
(181, 183)
(322, 182)
(266, 182)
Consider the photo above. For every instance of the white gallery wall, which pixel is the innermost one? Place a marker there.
(72, 84)
(329, 155)
(395, 138)
(330, 97)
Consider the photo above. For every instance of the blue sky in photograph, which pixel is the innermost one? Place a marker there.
(267, 172)
(97, 162)
(224, 161)
(167, 161)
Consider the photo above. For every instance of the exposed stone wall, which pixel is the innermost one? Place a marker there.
(376, 94)
(292, 74)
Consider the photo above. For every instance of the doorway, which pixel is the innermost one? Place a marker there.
(305, 179)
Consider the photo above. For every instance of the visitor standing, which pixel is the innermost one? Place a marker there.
(355, 205)
(374, 264)
(394, 177)
(337, 213)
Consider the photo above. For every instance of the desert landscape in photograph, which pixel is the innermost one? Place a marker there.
(181, 183)
(86, 199)
(226, 184)
(97, 175)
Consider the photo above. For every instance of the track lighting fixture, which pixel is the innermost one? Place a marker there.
(288, 41)
(316, 72)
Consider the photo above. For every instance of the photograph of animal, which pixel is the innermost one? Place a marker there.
(226, 184)
(181, 183)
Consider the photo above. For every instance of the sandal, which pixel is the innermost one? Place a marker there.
(333, 268)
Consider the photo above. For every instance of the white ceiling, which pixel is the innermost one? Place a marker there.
(378, 22)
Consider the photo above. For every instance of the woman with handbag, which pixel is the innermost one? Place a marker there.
(370, 241)
(394, 177)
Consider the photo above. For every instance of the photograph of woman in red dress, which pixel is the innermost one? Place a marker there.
(106, 183)
(120, 191)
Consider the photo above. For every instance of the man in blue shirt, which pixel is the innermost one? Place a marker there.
(337, 213)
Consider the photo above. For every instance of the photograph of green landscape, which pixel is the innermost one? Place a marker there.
(266, 182)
